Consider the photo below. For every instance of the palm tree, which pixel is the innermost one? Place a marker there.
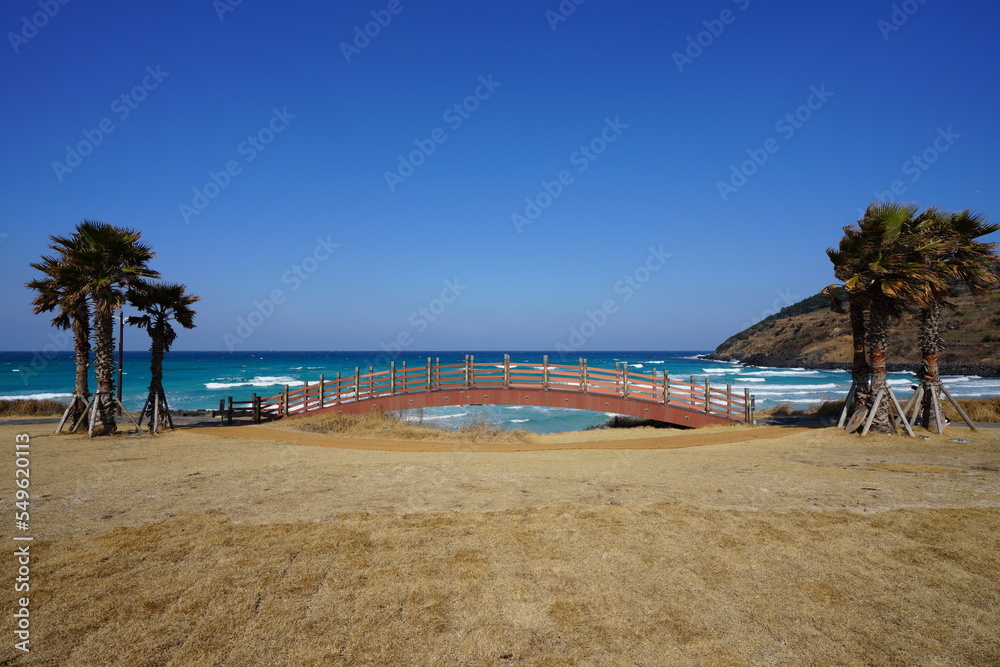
(59, 290)
(948, 244)
(883, 268)
(111, 260)
(160, 304)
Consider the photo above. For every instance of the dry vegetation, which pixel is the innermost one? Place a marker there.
(816, 548)
(378, 424)
(980, 410)
(30, 407)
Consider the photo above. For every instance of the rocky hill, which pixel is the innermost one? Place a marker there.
(808, 334)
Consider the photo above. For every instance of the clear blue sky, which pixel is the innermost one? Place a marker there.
(919, 83)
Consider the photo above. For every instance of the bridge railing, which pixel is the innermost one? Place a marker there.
(622, 382)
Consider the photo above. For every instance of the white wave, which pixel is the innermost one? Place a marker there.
(742, 379)
(792, 372)
(636, 366)
(951, 379)
(36, 397)
(519, 421)
(260, 381)
(15, 370)
(719, 371)
(457, 414)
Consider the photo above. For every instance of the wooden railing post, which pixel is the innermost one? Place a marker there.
(666, 386)
(729, 401)
(284, 402)
(255, 406)
(229, 411)
(371, 382)
(694, 395)
(437, 362)
(466, 373)
(404, 379)
(545, 372)
(430, 375)
(305, 397)
(339, 386)
(624, 379)
(472, 371)
(322, 390)
(357, 383)
(392, 378)
(586, 380)
(506, 371)
(746, 405)
(222, 410)
(708, 395)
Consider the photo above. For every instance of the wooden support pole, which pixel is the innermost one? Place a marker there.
(746, 404)
(545, 372)
(404, 379)
(229, 411)
(472, 371)
(357, 383)
(586, 379)
(305, 397)
(729, 400)
(506, 371)
(339, 385)
(915, 404)
(322, 390)
(371, 382)
(666, 386)
(958, 407)
(847, 405)
(437, 363)
(708, 395)
(284, 402)
(899, 411)
(624, 379)
(430, 375)
(871, 415)
(254, 403)
(392, 378)
(694, 396)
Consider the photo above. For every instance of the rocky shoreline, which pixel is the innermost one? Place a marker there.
(790, 361)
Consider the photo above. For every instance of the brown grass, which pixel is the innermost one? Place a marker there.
(819, 548)
(30, 407)
(980, 410)
(378, 424)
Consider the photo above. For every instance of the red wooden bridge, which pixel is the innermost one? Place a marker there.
(621, 391)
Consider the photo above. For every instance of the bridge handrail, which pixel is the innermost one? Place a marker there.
(622, 381)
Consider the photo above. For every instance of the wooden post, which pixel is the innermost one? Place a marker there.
(545, 372)
(222, 410)
(624, 379)
(437, 362)
(652, 386)
(305, 397)
(392, 378)
(847, 405)
(729, 400)
(253, 408)
(472, 371)
(284, 401)
(708, 396)
(338, 387)
(666, 386)
(506, 371)
(404, 378)
(466, 371)
(586, 380)
(371, 382)
(746, 405)
(958, 407)
(357, 383)
(229, 411)
(693, 394)
(322, 390)
(430, 375)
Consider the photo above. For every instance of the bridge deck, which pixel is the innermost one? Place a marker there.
(621, 391)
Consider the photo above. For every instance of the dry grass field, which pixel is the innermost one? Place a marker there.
(725, 546)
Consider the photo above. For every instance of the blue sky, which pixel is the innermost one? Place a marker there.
(640, 175)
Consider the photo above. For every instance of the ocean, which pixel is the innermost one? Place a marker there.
(194, 380)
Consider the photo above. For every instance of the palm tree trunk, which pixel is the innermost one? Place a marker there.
(104, 368)
(860, 371)
(156, 351)
(81, 339)
(930, 348)
(877, 339)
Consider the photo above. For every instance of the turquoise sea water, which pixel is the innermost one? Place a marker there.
(200, 379)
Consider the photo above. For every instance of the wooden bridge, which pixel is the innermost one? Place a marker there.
(621, 391)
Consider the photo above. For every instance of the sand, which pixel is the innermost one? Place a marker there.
(729, 545)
